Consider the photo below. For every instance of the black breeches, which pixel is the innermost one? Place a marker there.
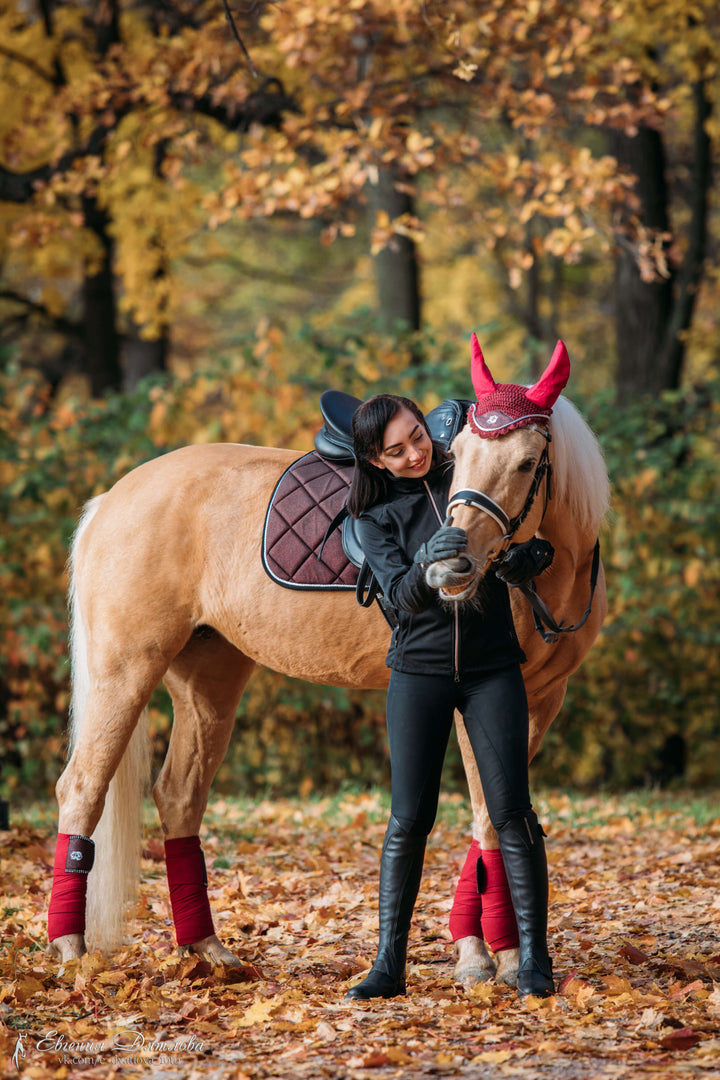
(420, 711)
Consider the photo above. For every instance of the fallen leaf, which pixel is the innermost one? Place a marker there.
(681, 1039)
(634, 955)
(260, 1011)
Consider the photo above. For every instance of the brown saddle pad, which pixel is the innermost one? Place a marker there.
(306, 498)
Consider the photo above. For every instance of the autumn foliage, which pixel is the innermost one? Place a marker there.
(136, 140)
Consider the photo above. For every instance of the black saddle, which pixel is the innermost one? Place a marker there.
(334, 439)
(334, 442)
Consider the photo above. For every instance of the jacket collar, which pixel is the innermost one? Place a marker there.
(408, 484)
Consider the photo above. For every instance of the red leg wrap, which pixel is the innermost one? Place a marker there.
(187, 880)
(74, 857)
(498, 917)
(467, 906)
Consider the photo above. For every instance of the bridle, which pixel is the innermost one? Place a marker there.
(478, 500)
(545, 623)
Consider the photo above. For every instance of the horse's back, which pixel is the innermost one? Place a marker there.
(177, 544)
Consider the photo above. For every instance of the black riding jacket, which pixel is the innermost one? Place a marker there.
(432, 637)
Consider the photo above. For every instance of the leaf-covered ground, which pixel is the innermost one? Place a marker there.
(635, 931)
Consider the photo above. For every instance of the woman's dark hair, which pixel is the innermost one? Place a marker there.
(369, 483)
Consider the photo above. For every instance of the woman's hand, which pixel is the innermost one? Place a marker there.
(523, 562)
(446, 543)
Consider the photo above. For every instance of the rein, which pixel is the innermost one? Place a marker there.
(545, 623)
(542, 614)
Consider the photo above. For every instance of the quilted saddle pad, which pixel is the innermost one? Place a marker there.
(306, 499)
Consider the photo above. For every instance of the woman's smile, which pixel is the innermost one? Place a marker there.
(406, 448)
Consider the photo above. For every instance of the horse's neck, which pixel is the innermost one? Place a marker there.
(565, 534)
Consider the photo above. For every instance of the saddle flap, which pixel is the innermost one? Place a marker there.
(351, 543)
(333, 448)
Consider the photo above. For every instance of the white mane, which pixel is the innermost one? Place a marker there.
(580, 478)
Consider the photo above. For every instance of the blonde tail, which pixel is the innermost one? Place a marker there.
(113, 881)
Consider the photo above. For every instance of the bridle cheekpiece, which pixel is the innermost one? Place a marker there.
(480, 501)
(501, 408)
(504, 407)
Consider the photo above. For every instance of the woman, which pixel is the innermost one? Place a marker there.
(441, 660)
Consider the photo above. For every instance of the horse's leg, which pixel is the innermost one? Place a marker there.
(473, 962)
(105, 736)
(206, 681)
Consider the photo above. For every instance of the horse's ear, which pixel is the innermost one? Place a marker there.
(547, 389)
(482, 380)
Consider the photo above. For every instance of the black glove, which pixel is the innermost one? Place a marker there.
(523, 562)
(446, 543)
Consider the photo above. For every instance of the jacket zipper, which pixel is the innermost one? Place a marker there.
(456, 616)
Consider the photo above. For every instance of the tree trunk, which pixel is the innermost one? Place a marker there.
(102, 342)
(652, 317)
(397, 272)
(142, 357)
(672, 355)
(642, 308)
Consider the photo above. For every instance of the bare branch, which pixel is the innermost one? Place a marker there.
(236, 35)
(26, 62)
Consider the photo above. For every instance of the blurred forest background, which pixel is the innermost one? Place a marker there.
(212, 213)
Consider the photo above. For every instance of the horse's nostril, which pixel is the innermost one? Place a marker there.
(464, 566)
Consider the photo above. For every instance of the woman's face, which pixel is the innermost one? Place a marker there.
(407, 447)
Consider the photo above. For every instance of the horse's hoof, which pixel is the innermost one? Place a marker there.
(474, 964)
(68, 947)
(212, 950)
(508, 962)
(472, 975)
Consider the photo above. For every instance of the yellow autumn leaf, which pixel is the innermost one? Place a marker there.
(492, 1057)
(261, 1011)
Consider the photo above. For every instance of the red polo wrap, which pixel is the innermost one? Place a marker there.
(187, 882)
(466, 914)
(73, 861)
(482, 906)
(498, 915)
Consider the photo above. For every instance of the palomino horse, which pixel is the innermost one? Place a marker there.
(168, 584)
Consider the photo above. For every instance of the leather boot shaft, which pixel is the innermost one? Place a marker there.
(401, 867)
(523, 851)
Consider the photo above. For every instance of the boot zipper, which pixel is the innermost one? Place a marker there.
(456, 617)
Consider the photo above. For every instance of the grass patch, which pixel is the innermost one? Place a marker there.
(239, 817)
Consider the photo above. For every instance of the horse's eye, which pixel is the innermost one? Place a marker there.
(527, 465)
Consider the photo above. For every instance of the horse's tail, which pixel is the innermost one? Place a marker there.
(113, 881)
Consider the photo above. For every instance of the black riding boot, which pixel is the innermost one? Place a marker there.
(400, 873)
(523, 852)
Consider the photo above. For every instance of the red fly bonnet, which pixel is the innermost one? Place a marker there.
(501, 407)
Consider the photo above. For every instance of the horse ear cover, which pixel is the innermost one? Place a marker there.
(502, 407)
(546, 390)
(482, 380)
(549, 386)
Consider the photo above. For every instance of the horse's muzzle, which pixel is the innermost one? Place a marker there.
(455, 579)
